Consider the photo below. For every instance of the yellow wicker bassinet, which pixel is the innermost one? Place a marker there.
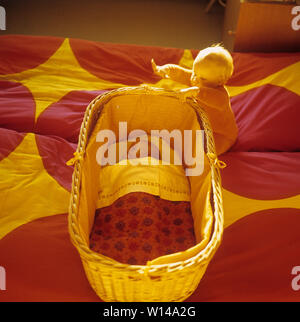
(168, 278)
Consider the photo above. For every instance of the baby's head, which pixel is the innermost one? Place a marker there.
(213, 66)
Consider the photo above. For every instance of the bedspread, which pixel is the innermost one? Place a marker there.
(45, 85)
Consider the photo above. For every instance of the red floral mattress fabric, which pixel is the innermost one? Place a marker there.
(140, 227)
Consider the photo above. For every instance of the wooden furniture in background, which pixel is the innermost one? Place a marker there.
(260, 26)
(212, 2)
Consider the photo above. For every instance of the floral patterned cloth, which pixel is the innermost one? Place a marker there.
(140, 227)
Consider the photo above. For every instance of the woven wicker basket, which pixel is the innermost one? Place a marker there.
(114, 281)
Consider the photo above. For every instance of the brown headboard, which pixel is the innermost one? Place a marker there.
(262, 26)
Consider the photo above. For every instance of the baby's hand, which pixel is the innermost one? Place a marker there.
(158, 70)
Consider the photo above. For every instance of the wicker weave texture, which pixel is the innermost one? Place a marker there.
(113, 281)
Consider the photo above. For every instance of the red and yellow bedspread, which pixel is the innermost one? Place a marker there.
(46, 84)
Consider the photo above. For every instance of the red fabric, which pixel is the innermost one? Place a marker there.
(280, 172)
(55, 152)
(251, 67)
(9, 141)
(17, 107)
(268, 119)
(19, 54)
(41, 264)
(64, 117)
(139, 227)
(122, 63)
(255, 260)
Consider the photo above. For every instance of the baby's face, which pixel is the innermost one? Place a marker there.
(208, 73)
(211, 69)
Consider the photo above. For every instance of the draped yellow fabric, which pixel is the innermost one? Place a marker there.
(167, 181)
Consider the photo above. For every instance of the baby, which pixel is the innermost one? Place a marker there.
(212, 68)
